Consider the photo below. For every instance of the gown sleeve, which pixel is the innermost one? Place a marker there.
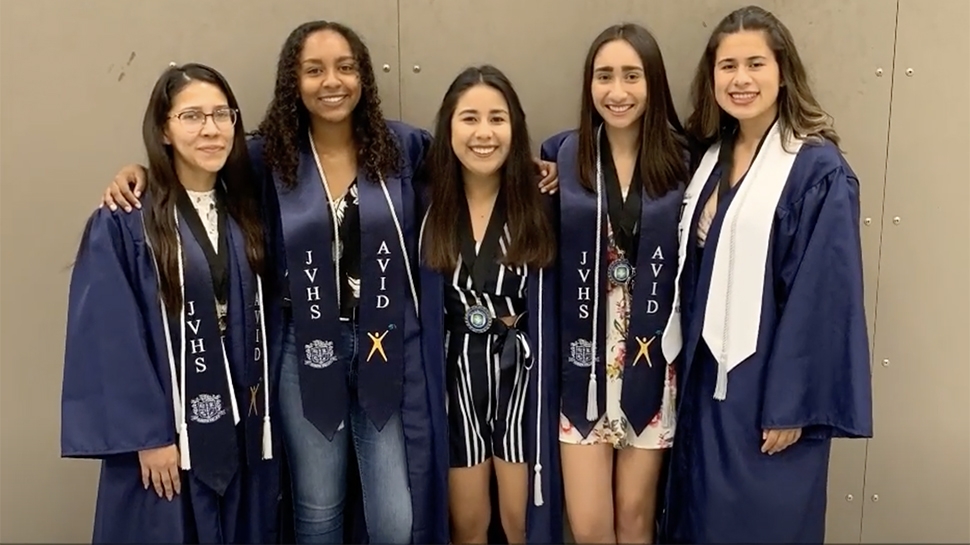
(112, 398)
(420, 149)
(818, 375)
(549, 151)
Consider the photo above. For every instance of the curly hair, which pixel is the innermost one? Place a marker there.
(287, 119)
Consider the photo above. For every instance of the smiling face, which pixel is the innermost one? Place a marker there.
(746, 76)
(619, 88)
(200, 128)
(329, 79)
(481, 130)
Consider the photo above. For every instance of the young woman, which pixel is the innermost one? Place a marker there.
(166, 367)
(339, 191)
(776, 359)
(622, 176)
(488, 304)
(339, 184)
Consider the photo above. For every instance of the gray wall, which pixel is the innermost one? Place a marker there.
(76, 76)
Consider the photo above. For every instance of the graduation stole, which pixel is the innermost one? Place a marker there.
(310, 239)
(202, 383)
(742, 248)
(585, 274)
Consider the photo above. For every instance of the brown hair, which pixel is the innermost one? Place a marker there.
(532, 240)
(799, 112)
(662, 159)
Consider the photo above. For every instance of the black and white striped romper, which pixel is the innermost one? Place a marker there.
(486, 404)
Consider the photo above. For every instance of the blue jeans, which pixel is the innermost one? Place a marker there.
(318, 467)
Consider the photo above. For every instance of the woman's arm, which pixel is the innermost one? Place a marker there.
(125, 189)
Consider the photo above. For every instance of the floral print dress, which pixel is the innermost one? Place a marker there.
(613, 427)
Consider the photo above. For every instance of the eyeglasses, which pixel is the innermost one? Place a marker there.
(194, 120)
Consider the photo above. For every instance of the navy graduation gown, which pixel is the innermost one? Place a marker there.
(117, 395)
(429, 515)
(544, 523)
(810, 369)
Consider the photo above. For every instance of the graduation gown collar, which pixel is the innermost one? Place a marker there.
(733, 310)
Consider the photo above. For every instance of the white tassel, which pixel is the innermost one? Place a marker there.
(184, 457)
(591, 409)
(720, 388)
(537, 499)
(267, 426)
(267, 438)
(537, 486)
(667, 408)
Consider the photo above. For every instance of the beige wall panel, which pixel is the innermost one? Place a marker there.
(541, 45)
(918, 470)
(75, 81)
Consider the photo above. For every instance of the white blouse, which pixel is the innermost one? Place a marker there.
(205, 204)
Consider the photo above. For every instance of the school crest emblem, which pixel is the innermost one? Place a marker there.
(320, 354)
(207, 408)
(581, 353)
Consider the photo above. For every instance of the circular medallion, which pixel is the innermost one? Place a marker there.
(478, 319)
(621, 272)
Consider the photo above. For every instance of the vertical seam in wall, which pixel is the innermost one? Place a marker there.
(400, 67)
(882, 234)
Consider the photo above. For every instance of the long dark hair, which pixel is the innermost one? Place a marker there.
(662, 142)
(799, 112)
(532, 241)
(287, 120)
(164, 186)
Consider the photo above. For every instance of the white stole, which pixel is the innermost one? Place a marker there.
(732, 316)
